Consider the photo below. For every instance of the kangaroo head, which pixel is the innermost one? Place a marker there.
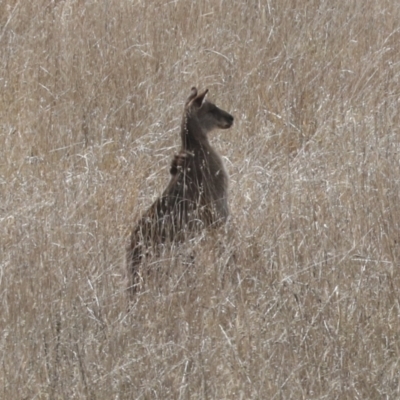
(208, 115)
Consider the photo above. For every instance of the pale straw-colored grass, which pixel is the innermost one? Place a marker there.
(298, 298)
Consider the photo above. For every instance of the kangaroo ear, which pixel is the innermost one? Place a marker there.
(200, 98)
(193, 95)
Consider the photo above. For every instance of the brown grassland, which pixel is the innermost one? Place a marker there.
(298, 297)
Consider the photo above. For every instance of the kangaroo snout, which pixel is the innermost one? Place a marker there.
(228, 121)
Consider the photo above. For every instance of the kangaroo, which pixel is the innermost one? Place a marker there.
(196, 196)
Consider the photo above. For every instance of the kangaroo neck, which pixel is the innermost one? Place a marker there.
(193, 136)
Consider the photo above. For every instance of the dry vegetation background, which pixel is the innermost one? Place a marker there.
(299, 297)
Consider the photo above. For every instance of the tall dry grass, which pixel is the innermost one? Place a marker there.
(298, 298)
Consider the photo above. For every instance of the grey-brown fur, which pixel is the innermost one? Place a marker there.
(196, 196)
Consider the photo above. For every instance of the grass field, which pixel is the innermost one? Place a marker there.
(298, 298)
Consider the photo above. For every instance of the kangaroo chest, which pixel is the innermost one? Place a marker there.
(208, 172)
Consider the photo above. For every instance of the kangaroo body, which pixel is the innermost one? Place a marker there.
(196, 196)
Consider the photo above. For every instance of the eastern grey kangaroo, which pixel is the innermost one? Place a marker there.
(196, 196)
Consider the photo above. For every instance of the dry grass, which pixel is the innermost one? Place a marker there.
(299, 298)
